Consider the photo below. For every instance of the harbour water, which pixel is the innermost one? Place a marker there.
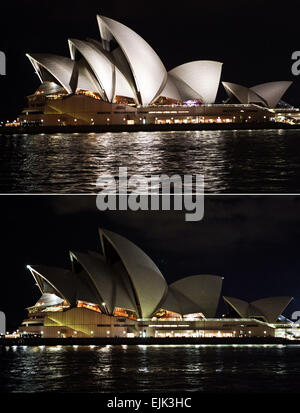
(231, 161)
(111, 369)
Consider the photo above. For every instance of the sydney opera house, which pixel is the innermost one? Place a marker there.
(120, 292)
(120, 80)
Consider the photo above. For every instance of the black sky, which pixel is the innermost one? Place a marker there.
(254, 39)
(251, 241)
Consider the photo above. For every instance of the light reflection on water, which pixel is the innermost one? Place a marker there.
(154, 368)
(231, 161)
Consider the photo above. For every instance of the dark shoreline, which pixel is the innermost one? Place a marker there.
(9, 342)
(34, 130)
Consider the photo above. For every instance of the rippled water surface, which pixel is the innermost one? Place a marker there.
(150, 368)
(231, 161)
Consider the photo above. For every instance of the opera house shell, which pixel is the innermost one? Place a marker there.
(118, 79)
(123, 65)
(120, 292)
(267, 309)
(124, 277)
(267, 94)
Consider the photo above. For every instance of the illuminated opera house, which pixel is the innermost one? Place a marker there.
(120, 80)
(120, 292)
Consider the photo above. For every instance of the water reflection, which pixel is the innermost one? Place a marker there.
(155, 368)
(232, 161)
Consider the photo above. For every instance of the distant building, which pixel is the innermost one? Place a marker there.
(121, 80)
(122, 293)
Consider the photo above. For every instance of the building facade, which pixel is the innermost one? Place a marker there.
(120, 292)
(120, 80)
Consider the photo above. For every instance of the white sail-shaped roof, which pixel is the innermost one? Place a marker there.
(240, 306)
(48, 300)
(112, 82)
(194, 294)
(178, 303)
(268, 308)
(269, 94)
(106, 36)
(202, 76)
(244, 94)
(100, 65)
(59, 67)
(50, 88)
(170, 90)
(68, 285)
(110, 281)
(271, 307)
(100, 275)
(84, 79)
(125, 277)
(123, 291)
(241, 93)
(122, 64)
(272, 92)
(62, 281)
(186, 91)
(149, 72)
(125, 65)
(122, 87)
(65, 72)
(148, 283)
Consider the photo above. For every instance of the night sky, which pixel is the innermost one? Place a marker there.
(251, 241)
(254, 39)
